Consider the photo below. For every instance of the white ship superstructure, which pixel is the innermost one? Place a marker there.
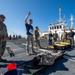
(72, 21)
(60, 25)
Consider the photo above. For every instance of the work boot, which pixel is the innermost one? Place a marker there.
(40, 47)
(72, 47)
(27, 54)
(34, 51)
(2, 60)
(12, 54)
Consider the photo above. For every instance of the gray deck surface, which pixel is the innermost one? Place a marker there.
(65, 66)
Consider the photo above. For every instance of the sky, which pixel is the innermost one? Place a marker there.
(43, 13)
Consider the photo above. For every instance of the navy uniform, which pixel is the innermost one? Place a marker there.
(50, 38)
(3, 37)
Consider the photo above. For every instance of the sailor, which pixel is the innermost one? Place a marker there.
(64, 36)
(3, 37)
(37, 37)
(71, 38)
(10, 37)
(55, 37)
(50, 38)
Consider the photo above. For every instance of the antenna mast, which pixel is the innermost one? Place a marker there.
(60, 18)
(72, 19)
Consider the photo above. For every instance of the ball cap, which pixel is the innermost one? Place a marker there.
(2, 16)
(11, 66)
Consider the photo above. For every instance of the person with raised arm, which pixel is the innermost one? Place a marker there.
(30, 32)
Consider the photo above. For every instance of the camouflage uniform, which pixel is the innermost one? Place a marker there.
(64, 36)
(55, 37)
(71, 38)
(3, 37)
(37, 38)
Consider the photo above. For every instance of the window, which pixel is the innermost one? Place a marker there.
(60, 27)
(52, 27)
(64, 27)
(57, 27)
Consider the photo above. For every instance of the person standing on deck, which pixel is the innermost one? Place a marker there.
(50, 38)
(37, 37)
(55, 37)
(71, 38)
(3, 37)
(30, 31)
(64, 36)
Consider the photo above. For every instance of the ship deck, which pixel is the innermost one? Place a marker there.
(64, 66)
